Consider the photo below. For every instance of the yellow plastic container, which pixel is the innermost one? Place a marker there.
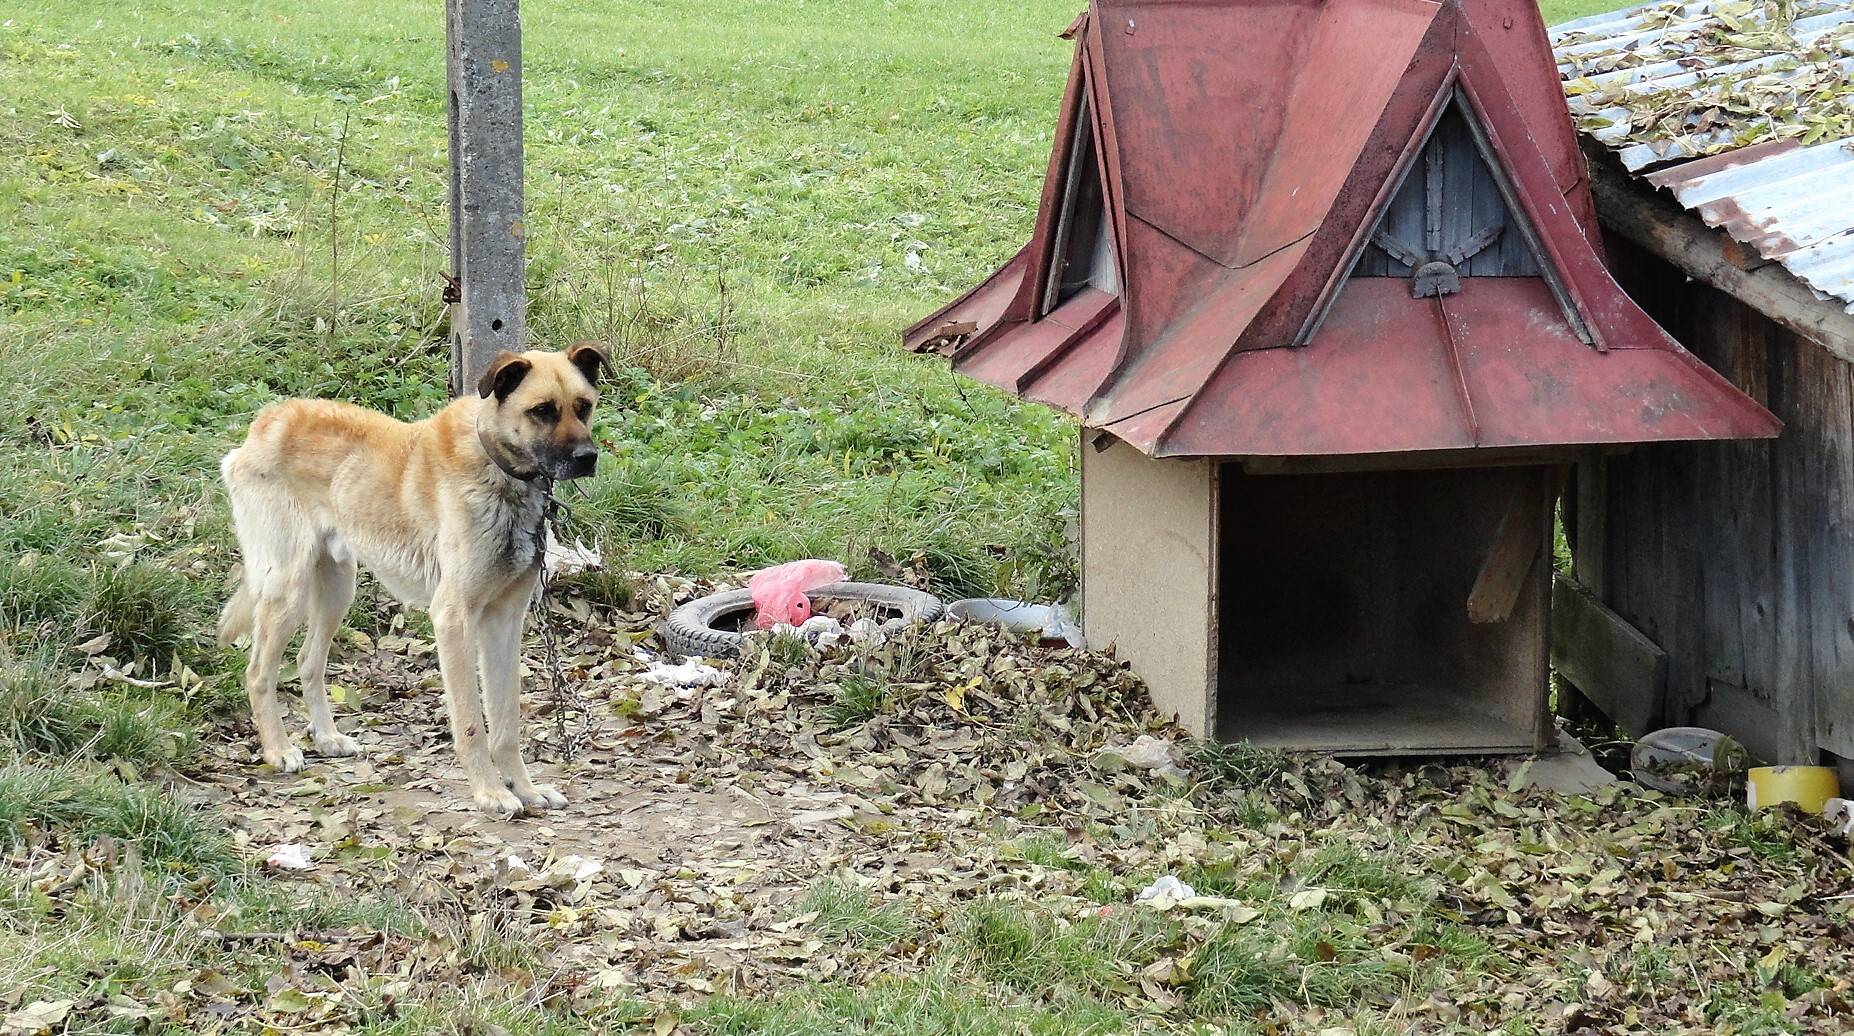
(1810, 787)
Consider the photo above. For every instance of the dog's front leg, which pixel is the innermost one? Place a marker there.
(500, 645)
(457, 621)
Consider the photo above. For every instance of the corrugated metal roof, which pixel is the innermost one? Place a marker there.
(1743, 110)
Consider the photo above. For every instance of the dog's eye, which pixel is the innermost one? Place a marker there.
(583, 408)
(543, 412)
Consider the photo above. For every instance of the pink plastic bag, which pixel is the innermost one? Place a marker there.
(779, 591)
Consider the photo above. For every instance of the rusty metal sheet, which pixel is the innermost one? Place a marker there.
(1186, 121)
(1375, 379)
(1248, 147)
(1417, 100)
(1082, 364)
(1040, 344)
(984, 305)
(1768, 176)
(1389, 365)
(1795, 206)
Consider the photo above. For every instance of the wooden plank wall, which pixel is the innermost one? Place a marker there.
(1738, 558)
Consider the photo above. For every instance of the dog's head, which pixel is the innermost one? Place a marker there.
(537, 409)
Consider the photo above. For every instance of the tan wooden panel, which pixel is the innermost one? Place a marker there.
(1148, 564)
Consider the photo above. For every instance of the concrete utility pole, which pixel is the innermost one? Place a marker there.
(489, 303)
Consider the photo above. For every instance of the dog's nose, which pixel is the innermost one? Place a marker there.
(585, 459)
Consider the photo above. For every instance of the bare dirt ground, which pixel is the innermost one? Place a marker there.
(698, 817)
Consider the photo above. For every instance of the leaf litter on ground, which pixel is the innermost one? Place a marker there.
(980, 772)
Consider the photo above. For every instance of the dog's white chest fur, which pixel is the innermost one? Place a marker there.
(506, 528)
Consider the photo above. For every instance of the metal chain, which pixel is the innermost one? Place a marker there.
(564, 698)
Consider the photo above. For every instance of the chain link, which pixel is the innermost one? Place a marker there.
(564, 697)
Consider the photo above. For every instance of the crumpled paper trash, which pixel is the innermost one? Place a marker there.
(566, 879)
(1155, 754)
(826, 632)
(1165, 892)
(1169, 893)
(691, 672)
(564, 560)
(1149, 753)
(291, 856)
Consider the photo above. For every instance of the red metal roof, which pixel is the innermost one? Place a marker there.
(1248, 148)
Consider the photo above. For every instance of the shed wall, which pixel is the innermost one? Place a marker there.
(1737, 558)
(1148, 572)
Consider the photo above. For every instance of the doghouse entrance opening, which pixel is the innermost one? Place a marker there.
(1343, 613)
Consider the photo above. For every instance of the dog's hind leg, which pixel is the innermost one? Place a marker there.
(276, 619)
(457, 619)
(499, 650)
(278, 547)
(331, 591)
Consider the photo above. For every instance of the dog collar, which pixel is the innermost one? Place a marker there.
(495, 457)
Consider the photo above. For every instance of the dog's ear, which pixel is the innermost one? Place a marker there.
(591, 360)
(504, 373)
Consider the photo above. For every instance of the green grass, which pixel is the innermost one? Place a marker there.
(855, 698)
(733, 208)
(1767, 834)
(852, 916)
(1556, 11)
(933, 1003)
(729, 194)
(42, 715)
(82, 806)
(146, 610)
(130, 932)
(1375, 940)
(1237, 763)
(39, 589)
(1031, 950)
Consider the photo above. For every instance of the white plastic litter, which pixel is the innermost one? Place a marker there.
(1154, 754)
(865, 630)
(692, 672)
(1149, 753)
(1051, 622)
(564, 560)
(1168, 891)
(826, 631)
(822, 630)
(291, 856)
(1840, 812)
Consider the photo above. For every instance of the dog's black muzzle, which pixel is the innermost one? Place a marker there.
(580, 463)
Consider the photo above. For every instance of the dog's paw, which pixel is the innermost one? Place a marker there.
(288, 760)
(337, 744)
(542, 796)
(497, 801)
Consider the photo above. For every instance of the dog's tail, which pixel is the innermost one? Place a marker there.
(236, 619)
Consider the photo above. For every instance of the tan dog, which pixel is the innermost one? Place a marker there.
(447, 512)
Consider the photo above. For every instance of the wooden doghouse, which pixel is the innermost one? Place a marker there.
(1318, 278)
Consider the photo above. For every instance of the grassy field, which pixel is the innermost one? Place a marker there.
(205, 208)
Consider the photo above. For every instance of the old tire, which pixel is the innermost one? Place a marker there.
(691, 630)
